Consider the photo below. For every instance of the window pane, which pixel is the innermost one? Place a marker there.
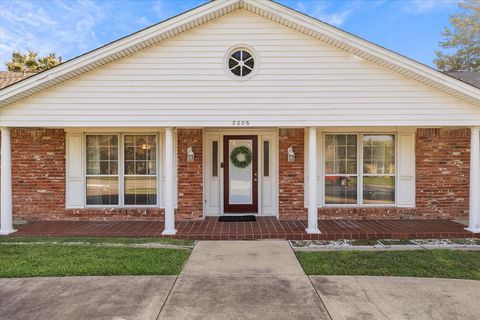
(340, 190)
(102, 190)
(378, 190)
(102, 154)
(214, 158)
(266, 158)
(379, 154)
(140, 155)
(341, 154)
(140, 190)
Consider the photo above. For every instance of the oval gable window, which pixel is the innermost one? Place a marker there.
(241, 63)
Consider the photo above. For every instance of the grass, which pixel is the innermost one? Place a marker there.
(419, 263)
(88, 259)
(99, 240)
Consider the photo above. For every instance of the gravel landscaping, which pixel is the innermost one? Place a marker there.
(388, 244)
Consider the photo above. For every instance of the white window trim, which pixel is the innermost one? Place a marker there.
(250, 50)
(359, 174)
(121, 166)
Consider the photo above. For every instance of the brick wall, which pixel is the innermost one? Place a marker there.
(38, 173)
(190, 174)
(291, 174)
(443, 172)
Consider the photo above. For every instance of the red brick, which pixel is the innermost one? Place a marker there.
(291, 174)
(190, 174)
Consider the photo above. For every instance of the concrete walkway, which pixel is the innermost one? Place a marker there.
(243, 280)
(239, 280)
(79, 298)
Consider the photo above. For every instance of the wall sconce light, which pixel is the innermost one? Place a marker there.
(291, 154)
(190, 155)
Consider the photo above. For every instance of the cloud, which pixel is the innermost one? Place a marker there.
(62, 27)
(426, 6)
(322, 11)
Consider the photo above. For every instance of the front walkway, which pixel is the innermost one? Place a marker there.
(243, 280)
(263, 228)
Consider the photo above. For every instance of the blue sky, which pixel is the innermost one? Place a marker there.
(70, 28)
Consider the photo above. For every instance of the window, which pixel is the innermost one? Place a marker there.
(341, 169)
(378, 169)
(266, 158)
(102, 170)
(140, 169)
(360, 169)
(135, 183)
(241, 62)
(214, 158)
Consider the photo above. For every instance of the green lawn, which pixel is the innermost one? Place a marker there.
(38, 260)
(413, 263)
(99, 240)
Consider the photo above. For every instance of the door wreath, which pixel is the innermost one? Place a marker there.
(247, 157)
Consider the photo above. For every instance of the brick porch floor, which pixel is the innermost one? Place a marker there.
(263, 228)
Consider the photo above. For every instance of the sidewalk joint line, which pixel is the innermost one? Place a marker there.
(319, 297)
(167, 297)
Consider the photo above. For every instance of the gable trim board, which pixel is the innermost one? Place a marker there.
(215, 9)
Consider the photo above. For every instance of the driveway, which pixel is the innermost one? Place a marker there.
(239, 280)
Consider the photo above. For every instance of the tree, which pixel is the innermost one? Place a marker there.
(464, 38)
(30, 63)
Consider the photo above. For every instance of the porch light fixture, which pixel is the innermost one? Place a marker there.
(190, 154)
(291, 154)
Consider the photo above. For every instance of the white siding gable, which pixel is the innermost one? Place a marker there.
(182, 82)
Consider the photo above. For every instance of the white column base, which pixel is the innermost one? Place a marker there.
(7, 232)
(473, 230)
(312, 231)
(169, 232)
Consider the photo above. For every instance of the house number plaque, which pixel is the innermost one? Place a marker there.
(240, 123)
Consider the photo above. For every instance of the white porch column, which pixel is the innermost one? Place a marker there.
(6, 224)
(474, 209)
(169, 184)
(312, 182)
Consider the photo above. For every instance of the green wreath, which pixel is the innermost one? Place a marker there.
(246, 153)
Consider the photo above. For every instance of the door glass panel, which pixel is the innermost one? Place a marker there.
(240, 186)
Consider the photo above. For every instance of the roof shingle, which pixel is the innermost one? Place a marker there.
(10, 77)
(470, 77)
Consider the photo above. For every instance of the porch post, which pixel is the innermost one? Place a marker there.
(312, 182)
(169, 184)
(474, 209)
(6, 221)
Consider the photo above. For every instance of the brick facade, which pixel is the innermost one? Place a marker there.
(291, 177)
(443, 172)
(38, 177)
(38, 174)
(190, 175)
